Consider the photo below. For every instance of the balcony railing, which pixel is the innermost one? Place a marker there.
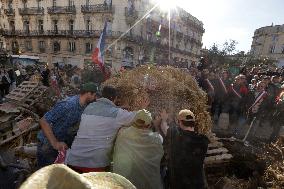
(22, 33)
(62, 10)
(9, 32)
(42, 49)
(10, 12)
(152, 41)
(77, 33)
(31, 11)
(99, 8)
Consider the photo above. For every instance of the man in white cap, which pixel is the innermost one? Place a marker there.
(138, 152)
(185, 151)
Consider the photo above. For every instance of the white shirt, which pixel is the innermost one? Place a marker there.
(98, 128)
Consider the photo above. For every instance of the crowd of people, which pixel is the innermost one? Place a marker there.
(95, 134)
(56, 78)
(254, 92)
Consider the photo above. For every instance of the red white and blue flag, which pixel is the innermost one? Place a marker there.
(98, 54)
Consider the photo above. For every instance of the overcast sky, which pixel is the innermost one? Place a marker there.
(234, 19)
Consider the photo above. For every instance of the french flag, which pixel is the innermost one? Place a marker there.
(98, 54)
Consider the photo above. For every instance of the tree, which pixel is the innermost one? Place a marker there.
(224, 55)
(229, 47)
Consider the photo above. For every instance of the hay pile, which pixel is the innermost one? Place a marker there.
(167, 88)
(274, 174)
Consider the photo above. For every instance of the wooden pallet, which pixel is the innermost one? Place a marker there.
(34, 96)
(10, 135)
(216, 154)
(22, 91)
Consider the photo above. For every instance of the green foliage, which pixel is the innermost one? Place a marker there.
(226, 55)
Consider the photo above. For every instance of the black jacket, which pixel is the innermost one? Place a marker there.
(185, 154)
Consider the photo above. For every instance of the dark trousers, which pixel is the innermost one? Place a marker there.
(46, 155)
(2, 91)
(6, 88)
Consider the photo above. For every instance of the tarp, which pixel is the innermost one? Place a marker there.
(137, 157)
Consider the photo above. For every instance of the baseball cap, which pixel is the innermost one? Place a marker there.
(143, 117)
(90, 87)
(186, 115)
(47, 178)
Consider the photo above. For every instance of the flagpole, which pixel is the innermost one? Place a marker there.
(169, 36)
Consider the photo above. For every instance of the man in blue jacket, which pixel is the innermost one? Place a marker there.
(58, 125)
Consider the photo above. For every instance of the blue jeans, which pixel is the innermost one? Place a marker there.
(46, 155)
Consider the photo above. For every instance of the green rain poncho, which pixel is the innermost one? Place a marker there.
(137, 157)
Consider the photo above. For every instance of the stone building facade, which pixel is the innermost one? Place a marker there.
(268, 42)
(2, 41)
(67, 31)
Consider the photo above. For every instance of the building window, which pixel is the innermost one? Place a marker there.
(54, 3)
(89, 48)
(72, 46)
(40, 26)
(71, 3)
(71, 25)
(27, 26)
(39, 3)
(109, 28)
(88, 25)
(25, 3)
(274, 38)
(56, 47)
(41, 46)
(1, 45)
(127, 55)
(12, 26)
(15, 47)
(10, 5)
(130, 7)
(28, 46)
(55, 26)
(272, 49)
(282, 50)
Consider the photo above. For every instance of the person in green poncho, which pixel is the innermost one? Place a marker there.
(138, 152)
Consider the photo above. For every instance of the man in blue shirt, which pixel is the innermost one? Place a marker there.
(58, 125)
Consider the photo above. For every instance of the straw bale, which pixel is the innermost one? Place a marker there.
(167, 88)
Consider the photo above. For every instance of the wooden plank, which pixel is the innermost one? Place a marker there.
(217, 158)
(215, 145)
(17, 135)
(217, 151)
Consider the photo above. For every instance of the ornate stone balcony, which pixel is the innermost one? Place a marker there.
(9, 12)
(99, 8)
(61, 10)
(31, 11)
(8, 32)
(152, 41)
